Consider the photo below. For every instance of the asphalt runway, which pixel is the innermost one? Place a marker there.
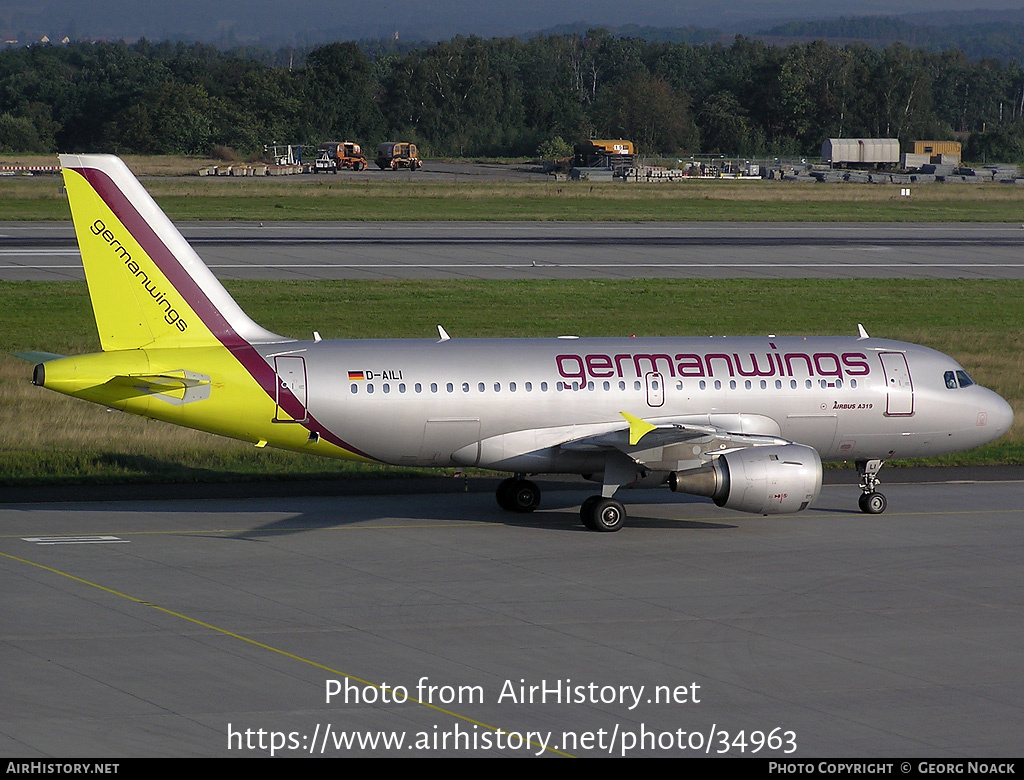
(557, 250)
(183, 627)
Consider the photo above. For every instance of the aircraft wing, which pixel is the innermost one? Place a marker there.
(681, 445)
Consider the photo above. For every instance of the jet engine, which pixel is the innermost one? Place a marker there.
(772, 480)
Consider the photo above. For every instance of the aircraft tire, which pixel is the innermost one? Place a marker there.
(872, 503)
(587, 512)
(525, 496)
(518, 495)
(504, 494)
(607, 515)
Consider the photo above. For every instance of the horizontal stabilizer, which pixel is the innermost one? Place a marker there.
(37, 357)
(176, 387)
(178, 382)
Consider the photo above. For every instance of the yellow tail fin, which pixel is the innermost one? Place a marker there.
(148, 287)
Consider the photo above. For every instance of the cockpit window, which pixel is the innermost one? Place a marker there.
(954, 379)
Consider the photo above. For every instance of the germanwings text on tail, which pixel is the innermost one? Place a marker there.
(743, 421)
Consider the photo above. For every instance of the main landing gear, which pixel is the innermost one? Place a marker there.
(517, 494)
(598, 513)
(871, 502)
(603, 514)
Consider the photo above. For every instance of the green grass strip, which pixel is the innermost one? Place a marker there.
(46, 437)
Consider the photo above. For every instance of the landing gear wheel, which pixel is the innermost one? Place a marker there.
(504, 493)
(587, 512)
(872, 503)
(603, 514)
(518, 495)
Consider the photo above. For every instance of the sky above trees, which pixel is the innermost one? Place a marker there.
(279, 20)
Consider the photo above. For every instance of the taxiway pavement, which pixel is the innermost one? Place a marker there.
(183, 627)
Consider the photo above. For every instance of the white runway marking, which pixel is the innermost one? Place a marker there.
(48, 540)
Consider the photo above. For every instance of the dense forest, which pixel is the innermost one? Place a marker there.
(999, 38)
(504, 96)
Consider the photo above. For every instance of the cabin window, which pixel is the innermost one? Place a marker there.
(465, 387)
(703, 385)
(718, 384)
(369, 388)
(511, 387)
(355, 389)
(386, 387)
(764, 385)
(481, 387)
(607, 385)
(622, 385)
(529, 387)
(401, 387)
(636, 385)
(543, 387)
(451, 387)
(853, 383)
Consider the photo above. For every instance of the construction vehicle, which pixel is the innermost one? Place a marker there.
(393, 156)
(334, 155)
(617, 155)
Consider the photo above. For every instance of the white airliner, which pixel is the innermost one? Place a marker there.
(744, 421)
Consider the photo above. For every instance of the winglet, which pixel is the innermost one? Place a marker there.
(637, 428)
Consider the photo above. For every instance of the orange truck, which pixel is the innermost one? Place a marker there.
(336, 155)
(398, 155)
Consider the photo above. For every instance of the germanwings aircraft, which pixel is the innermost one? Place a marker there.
(744, 421)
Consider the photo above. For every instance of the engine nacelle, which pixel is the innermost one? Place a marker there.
(765, 480)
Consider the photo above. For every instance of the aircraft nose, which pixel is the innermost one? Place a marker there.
(1000, 416)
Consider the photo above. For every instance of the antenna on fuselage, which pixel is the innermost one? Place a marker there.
(443, 334)
(861, 333)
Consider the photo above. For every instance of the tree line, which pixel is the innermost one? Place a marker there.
(507, 97)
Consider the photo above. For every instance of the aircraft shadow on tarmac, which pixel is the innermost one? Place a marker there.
(560, 512)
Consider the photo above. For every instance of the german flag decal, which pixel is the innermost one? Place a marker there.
(355, 376)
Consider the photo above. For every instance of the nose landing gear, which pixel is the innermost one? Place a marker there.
(871, 501)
